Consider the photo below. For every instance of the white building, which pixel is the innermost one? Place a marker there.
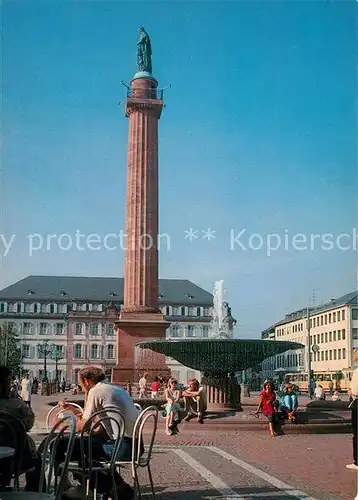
(75, 314)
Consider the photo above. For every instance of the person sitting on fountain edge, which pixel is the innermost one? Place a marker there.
(195, 401)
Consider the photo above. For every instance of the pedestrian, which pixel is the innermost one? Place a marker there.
(26, 387)
(330, 386)
(268, 406)
(354, 409)
(143, 386)
(155, 387)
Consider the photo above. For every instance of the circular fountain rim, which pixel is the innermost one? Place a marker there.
(222, 340)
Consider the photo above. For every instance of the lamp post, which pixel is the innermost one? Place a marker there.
(56, 355)
(44, 350)
(309, 391)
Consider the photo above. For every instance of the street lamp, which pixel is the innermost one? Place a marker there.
(56, 355)
(44, 350)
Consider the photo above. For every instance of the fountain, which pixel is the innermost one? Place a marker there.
(220, 324)
(219, 359)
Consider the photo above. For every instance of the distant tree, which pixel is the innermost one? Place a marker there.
(10, 352)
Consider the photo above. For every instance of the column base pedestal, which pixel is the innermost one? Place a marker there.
(132, 362)
(223, 393)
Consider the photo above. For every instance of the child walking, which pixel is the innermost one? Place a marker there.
(172, 396)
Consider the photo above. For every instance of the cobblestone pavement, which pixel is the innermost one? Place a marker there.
(219, 462)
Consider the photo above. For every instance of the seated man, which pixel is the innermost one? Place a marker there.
(319, 393)
(25, 446)
(289, 403)
(99, 395)
(195, 401)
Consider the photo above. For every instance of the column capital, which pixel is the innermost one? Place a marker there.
(150, 107)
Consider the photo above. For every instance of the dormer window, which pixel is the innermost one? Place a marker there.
(30, 292)
(190, 296)
(62, 293)
(160, 296)
(112, 294)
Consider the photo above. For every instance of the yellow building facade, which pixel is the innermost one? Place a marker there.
(333, 331)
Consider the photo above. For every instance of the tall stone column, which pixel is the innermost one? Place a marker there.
(141, 257)
(140, 318)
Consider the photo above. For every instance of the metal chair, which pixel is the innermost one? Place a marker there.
(16, 429)
(86, 467)
(142, 459)
(48, 461)
(60, 412)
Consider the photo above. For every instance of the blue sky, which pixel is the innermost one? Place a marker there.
(259, 133)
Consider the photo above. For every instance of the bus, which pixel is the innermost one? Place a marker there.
(341, 380)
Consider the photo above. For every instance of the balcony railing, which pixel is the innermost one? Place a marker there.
(145, 94)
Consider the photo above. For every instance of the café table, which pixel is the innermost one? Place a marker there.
(6, 452)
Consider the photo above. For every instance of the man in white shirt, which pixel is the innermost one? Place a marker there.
(100, 396)
(319, 393)
(354, 409)
(195, 401)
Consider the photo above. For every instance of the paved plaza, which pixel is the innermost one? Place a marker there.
(221, 460)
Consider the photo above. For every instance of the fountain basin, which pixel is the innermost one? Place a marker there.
(217, 358)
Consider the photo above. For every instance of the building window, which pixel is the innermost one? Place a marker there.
(330, 355)
(62, 308)
(175, 331)
(93, 329)
(27, 307)
(326, 337)
(330, 336)
(52, 308)
(334, 336)
(343, 315)
(325, 319)
(354, 313)
(78, 351)
(43, 308)
(78, 329)
(198, 311)
(94, 351)
(60, 328)
(334, 353)
(26, 352)
(27, 329)
(330, 318)
(338, 334)
(190, 331)
(343, 334)
(2, 307)
(110, 351)
(338, 315)
(11, 307)
(355, 333)
(109, 330)
(43, 328)
(205, 331)
(339, 353)
(343, 353)
(176, 310)
(207, 311)
(334, 317)
(326, 355)
(182, 311)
